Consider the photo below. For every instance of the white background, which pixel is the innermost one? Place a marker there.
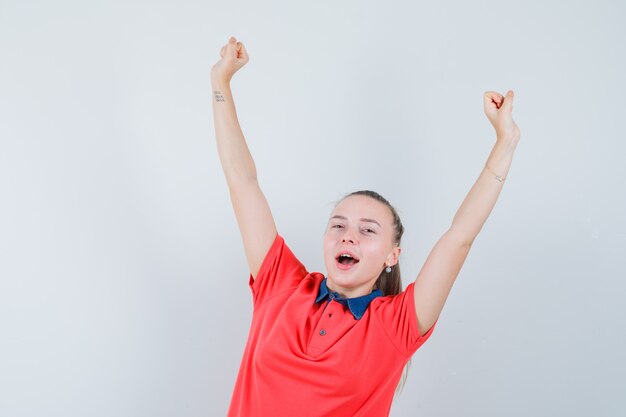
(123, 281)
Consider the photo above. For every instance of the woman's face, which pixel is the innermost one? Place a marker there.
(363, 227)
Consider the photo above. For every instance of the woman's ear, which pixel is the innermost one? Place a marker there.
(392, 259)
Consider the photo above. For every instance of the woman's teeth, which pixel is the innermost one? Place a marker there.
(346, 259)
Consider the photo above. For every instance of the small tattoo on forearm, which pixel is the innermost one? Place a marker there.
(218, 95)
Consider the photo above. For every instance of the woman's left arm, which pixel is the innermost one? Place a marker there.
(435, 279)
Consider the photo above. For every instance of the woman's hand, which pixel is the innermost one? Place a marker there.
(233, 57)
(498, 110)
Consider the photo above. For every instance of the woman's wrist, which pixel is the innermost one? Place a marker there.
(507, 140)
(220, 81)
(218, 77)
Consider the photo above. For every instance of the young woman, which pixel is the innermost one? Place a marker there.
(335, 344)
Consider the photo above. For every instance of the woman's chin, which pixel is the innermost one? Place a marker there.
(346, 279)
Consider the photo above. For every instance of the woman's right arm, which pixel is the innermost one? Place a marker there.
(254, 217)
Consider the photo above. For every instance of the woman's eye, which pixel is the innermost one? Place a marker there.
(369, 230)
(337, 226)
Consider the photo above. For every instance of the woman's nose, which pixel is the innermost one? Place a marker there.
(347, 237)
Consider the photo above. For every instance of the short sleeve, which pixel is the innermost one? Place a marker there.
(279, 271)
(399, 320)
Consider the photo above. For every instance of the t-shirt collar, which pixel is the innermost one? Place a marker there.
(356, 305)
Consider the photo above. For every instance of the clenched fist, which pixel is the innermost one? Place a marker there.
(499, 109)
(233, 57)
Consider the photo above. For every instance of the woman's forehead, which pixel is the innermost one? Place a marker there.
(356, 207)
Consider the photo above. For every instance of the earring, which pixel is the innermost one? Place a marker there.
(388, 269)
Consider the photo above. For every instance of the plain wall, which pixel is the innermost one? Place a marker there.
(123, 282)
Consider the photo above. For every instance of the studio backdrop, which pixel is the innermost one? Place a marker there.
(123, 280)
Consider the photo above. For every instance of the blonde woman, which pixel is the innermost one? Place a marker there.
(336, 344)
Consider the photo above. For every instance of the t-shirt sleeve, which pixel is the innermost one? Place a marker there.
(399, 319)
(280, 271)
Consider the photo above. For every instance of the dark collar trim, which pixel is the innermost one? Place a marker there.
(356, 305)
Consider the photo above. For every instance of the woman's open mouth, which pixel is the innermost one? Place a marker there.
(346, 261)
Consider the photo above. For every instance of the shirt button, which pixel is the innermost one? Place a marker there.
(322, 332)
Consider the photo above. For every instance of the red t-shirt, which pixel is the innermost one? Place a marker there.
(290, 369)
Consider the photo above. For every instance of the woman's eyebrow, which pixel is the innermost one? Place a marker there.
(337, 216)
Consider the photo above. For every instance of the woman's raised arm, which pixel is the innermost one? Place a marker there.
(435, 279)
(254, 217)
